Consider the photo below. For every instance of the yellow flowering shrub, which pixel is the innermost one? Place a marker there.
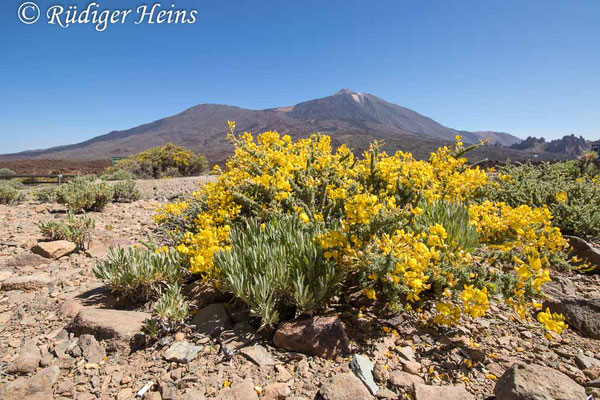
(414, 233)
(162, 161)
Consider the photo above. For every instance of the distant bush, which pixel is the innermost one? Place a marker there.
(84, 194)
(277, 268)
(9, 194)
(118, 175)
(163, 161)
(7, 171)
(74, 229)
(126, 191)
(570, 189)
(139, 273)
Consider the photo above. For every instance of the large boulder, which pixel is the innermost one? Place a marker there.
(26, 282)
(55, 249)
(38, 386)
(28, 359)
(26, 259)
(344, 386)
(581, 313)
(317, 336)
(584, 250)
(536, 382)
(118, 326)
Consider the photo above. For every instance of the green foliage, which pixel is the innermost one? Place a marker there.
(171, 306)
(126, 191)
(45, 195)
(168, 313)
(454, 218)
(277, 268)
(570, 189)
(162, 161)
(7, 171)
(9, 194)
(117, 175)
(74, 229)
(84, 194)
(139, 273)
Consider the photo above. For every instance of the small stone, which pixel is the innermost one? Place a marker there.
(381, 373)
(55, 249)
(404, 380)
(430, 392)
(182, 352)
(258, 354)
(276, 391)
(363, 369)
(385, 393)
(283, 374)
(28, 359)
(407, 353)
(26, 282)
(345, 386)
(125, 394)
(318, 336)
(125, 380)
(92, 350)
(193, 394)
(108, 323)
(157, 396)
(25, 260)
(241, 391)
(168, 392)
(179, 337)
(585, 362)
(412, 367)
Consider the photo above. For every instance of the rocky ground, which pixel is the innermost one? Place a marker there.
(62, 335)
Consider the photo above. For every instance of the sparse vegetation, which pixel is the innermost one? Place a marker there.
(9, 194)
(76, 229)
(139, 274)
(84, 194)
(125, 191)
(117, 175)
(7, 171)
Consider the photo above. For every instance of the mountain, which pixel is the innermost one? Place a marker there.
(349, 117)
(570, 145)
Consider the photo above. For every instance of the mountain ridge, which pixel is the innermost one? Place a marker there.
(354, 118)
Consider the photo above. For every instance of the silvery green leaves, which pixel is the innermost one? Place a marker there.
(139, 273)
(72, 228)
(277, 268)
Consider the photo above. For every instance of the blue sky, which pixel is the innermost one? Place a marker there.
(526, 67)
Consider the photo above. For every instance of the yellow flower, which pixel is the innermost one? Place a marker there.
(552, 321)
(370, 293)
(561, 196)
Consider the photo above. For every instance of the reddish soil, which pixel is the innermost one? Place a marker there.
(41, 166)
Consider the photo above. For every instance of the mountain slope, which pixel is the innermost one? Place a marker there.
(349, 117)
